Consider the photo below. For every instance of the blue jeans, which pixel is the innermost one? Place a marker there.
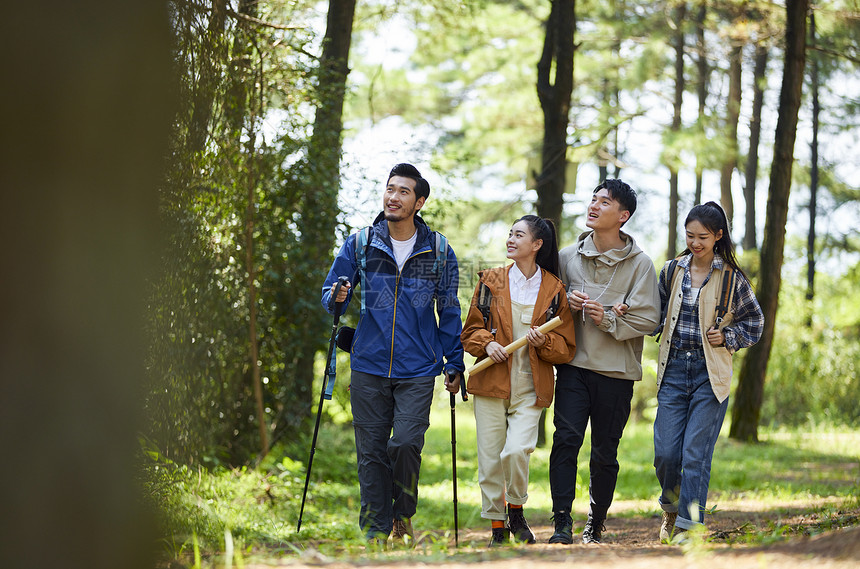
(390, 417)
(688, 422)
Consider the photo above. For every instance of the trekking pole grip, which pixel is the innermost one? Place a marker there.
(337, 306)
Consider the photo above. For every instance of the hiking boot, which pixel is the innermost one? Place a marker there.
(402, 531)
(667, 525)
(563, 528)
(679, 536)
(519, 526)
(500, 537)
(593, 530)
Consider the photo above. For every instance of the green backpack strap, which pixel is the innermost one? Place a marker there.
(362, 240)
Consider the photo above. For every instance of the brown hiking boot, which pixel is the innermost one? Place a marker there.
(667, 525)
(402, 531)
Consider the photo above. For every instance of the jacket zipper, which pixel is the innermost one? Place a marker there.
(394, 316)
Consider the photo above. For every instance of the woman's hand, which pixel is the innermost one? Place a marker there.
(715, 337)
(496, 352)
(620, 309)
(535, 337)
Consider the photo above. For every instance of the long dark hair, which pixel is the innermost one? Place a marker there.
(547, 255)
(714, 219)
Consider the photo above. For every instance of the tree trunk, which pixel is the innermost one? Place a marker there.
(672, 248)
(813, 175)
(239, 85)
(253, 340)
(750, 390)
(319, 216)
(701, 91)
(555, 102)
(731, 131)
(210, 72)
(761, 56)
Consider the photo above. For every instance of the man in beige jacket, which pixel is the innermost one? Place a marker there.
(603, 269)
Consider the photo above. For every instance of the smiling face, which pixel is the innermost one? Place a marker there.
(701, 240)
(521, 243)
(398, 200)
(605, 213)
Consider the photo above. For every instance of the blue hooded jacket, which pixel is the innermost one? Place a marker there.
(398, 336)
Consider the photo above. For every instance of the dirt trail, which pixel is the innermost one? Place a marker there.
(823, 542)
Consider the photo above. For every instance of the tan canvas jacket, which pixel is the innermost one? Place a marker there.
(627, 275)
(717, 358)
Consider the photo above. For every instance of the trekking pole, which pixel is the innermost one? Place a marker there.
(337, 307)
(454, 449)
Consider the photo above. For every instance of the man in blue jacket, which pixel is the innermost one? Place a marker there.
(398, 349)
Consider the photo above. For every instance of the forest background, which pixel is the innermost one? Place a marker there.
(250, 137)
(666, 95)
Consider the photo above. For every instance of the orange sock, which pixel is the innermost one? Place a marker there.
(514, 507)
(498, 524)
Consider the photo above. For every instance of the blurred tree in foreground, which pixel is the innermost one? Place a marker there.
(86, 105)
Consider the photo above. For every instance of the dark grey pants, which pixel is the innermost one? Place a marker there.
(390, 417)
(582, 395)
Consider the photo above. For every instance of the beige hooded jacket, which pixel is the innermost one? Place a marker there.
(627, 275)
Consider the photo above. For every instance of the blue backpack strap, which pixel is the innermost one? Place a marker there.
(440, 250)
(362, 239)
(332, 375)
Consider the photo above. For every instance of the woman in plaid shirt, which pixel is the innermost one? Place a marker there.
(695, 364)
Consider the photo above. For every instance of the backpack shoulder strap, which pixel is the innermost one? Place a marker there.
(553, 307)
(669, 273)
(485, 297)
(727, 293)
(362, 240)
(440, 252)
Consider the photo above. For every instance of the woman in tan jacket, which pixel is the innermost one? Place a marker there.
(510, 394)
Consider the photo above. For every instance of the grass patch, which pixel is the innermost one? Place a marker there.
(255, 511)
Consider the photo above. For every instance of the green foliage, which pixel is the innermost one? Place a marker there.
(813, 370)
(236, 80)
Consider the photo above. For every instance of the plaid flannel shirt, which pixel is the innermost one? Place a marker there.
(745, 329)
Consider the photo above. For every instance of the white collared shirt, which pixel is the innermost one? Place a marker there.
(523, 290)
